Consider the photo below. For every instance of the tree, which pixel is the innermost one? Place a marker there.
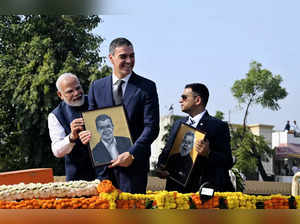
(250, 149)
(259, 87)
(34, 51)
(219, 115)
(262, 88)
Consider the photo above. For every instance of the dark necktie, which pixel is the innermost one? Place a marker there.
(191, 122)
(117, 93)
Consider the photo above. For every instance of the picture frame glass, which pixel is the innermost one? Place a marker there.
(110, 134)
(183, 154)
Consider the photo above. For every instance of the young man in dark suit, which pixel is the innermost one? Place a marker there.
(214, 153)
(140, 100)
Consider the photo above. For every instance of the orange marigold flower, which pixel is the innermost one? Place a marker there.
(105, 186)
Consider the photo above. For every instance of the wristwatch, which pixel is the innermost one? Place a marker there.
(71, 139)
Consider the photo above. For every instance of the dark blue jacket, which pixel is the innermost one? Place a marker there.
(213, 169)
(141, 106)
(101, 154)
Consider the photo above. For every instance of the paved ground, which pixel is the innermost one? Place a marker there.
(156, 184)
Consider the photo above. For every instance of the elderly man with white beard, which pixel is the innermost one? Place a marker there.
(64, 123)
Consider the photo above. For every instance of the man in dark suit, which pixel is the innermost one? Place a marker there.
(179, 164)
(140, 100)
(110, 146)
(214, 153)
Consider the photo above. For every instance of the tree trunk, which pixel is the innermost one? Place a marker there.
(262, 171)
(245, 116)
(260, 166)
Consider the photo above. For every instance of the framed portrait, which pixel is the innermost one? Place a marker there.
(110, 133)
(183, 154)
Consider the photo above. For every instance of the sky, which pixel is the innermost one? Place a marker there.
(212, 42)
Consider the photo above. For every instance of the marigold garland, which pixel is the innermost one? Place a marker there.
(105, 186)
(111, 198)
(66, 203)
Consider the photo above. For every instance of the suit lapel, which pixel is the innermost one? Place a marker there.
(118, 144)
(131, 88)
(203, 123)
(184, 120)
(102, 152)
(108, 96)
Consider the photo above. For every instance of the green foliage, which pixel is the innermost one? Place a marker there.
(34, 51)
(259, 87)
(262, 88)
(240, 180)
(219, 115)
(248, 149)
(165, 137)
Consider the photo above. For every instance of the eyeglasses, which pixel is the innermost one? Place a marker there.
(184, 97)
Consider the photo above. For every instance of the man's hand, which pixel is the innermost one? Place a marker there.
(161, 173)
(125, 159)
(202, 147)
(76, 126)
(85, 136)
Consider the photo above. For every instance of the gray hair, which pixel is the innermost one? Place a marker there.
(121, 41)
(62, 77)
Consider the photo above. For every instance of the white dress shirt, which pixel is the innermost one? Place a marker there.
(196, 119)
(60, 143)
(112, 148)
(115, 86)
(294, 127)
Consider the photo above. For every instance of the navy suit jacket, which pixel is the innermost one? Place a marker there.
(140, 101)
(213, 169)
(100, 153)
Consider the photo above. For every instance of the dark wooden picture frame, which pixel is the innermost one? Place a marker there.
(183, 154)
(110, 133)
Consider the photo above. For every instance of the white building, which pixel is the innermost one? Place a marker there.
(287, 154)
(283, 137)
(158, 144)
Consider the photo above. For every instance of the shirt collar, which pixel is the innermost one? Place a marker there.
(107, 145)
(125, 79)
(198, 117)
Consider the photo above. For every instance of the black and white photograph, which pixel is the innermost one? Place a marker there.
(110, 134)
(183, 155)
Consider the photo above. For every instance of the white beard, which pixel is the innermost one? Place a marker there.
(77, 103)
